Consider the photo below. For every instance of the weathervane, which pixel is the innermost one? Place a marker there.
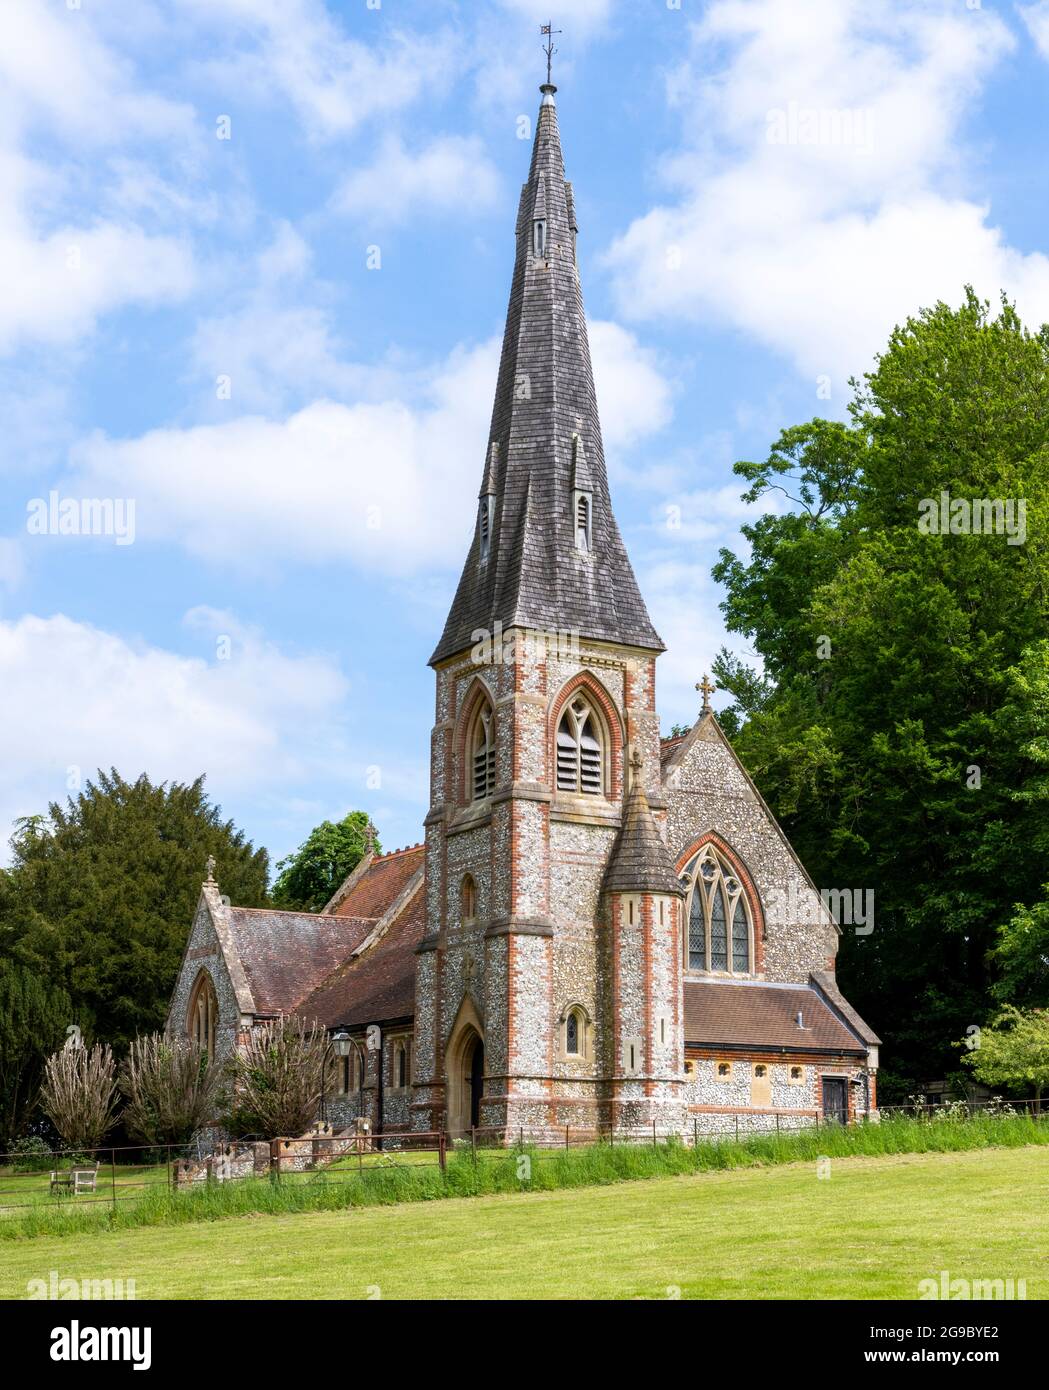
(548, 47)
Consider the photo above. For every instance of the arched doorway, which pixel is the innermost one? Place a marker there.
(465, 1071)
(476, 1080)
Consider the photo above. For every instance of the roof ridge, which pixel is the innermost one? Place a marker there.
(298, 912)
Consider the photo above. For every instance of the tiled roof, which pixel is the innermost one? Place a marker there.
(385, 877)
(286, 954)
(380, 983)
(534, 576)
(720, 1013)
(640, 862)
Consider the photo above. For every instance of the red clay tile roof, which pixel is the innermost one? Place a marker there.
(386, 877)
(286, 954)
(744, 1015)
(380, 983)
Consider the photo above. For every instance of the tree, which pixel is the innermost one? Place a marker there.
(1013, 1051)
(277, 1079)
(898, 723)
(308, 878)
(33, 1020)
(100, 897)
(171, 1087)
(79, 1094)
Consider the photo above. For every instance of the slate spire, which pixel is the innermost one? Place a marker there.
(544, 460)
(640, 862)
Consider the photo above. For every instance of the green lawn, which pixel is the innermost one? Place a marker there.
(873, 1229)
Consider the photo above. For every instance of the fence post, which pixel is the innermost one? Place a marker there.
(442, 1157)
(695, 1132)
(473, 1141)
(777, 1121)
(113, 1174)
(521, 1136)
(566, 1136)
(653, 1134)
(737, 1129)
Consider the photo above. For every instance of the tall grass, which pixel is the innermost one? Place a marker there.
(522, 1169)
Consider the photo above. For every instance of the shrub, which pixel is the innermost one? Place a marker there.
(31, 1155)
(172, 1089)
(79, 1094)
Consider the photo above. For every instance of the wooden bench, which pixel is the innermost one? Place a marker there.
(75, 1180)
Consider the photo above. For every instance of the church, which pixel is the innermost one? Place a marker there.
(603, 929)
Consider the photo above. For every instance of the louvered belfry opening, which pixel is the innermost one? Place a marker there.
(579, 751)
(582, 524)
(483, 755)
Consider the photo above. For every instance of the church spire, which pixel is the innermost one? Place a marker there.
(546, 552)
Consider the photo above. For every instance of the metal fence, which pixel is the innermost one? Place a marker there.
(117, 1174)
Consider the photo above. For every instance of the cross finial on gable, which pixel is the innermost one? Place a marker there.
(637, 762)
(707, 690)
(369, 838)
(210, 868)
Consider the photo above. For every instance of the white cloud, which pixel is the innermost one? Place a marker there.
(379, 485)
(61, 273)
(451, 172)
(633, 395)
(335, 83)
(384, 484)
(56, 287)
(822, 201)
(78, 698)
(1036, 17)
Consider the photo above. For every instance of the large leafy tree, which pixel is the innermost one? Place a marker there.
(34, 1016)
(309, 877)
(899, 723)
(100, 895)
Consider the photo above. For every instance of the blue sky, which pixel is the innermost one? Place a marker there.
(764, 188)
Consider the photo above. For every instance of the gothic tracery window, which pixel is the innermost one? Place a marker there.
(579, 755)
(719, 927)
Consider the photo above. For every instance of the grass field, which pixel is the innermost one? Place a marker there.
(873, 1229)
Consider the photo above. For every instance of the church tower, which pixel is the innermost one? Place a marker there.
(530, 969)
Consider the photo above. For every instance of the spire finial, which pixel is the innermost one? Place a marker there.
(548, 47)
(369, 838)
(707, 689)
(637, 762)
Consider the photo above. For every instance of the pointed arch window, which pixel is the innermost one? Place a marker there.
(468, 899)
(575, 1033)
(539, 236)
(579, 752)
(720, 933)
(202, 1019)
(482, 753)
